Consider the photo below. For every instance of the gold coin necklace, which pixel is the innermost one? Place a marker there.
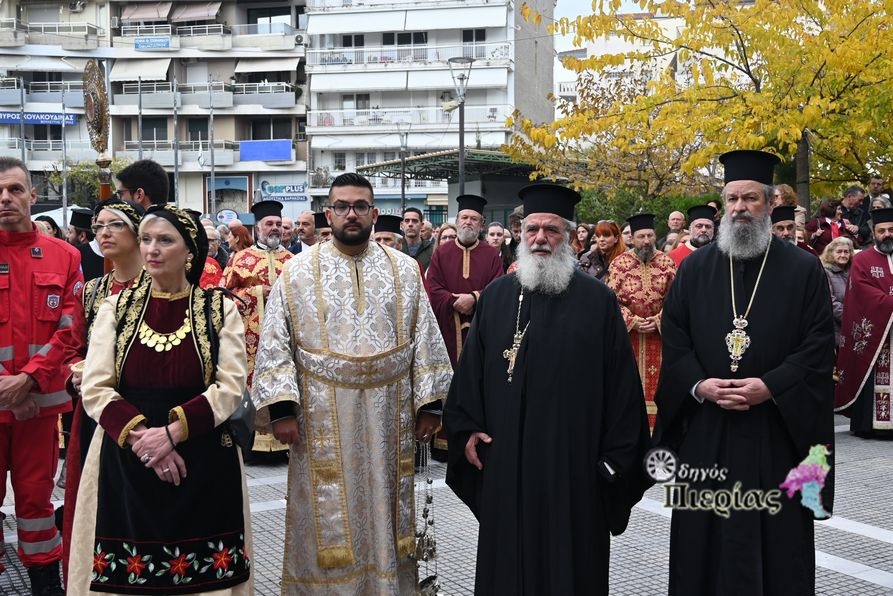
(737, 340)
(163, 342)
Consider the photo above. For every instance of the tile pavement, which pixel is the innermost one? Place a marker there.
(639, 557)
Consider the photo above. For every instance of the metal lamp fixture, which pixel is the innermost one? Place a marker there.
(460, 70)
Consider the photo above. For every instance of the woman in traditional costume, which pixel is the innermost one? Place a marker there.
(163, 508)
(116, 226)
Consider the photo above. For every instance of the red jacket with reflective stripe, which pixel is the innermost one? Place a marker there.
(40, 309)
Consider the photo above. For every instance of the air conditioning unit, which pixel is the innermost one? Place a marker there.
(77, 5)
(299, 39)
(116, 23)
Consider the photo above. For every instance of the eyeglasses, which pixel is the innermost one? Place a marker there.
(342, 209)
(112, 226)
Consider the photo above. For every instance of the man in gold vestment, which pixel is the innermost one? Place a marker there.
(250, 275)
(350, 356)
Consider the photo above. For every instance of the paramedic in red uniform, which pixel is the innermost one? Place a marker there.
(40, 285)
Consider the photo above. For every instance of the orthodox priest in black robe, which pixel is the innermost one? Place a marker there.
(741, 419)
(546, 417)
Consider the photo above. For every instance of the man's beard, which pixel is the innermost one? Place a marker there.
(546, 274)
(885, 245)
(271, 241)
(699, 241)
(467, 236)
(352, 237)
(746, 239)
(644, 253)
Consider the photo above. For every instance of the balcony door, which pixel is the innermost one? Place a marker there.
(356, 107)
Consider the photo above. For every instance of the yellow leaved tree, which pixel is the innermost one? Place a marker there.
(681, 82)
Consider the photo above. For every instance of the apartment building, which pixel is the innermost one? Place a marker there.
(207, 89)
(379, 70)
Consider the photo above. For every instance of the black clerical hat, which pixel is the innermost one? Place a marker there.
(782, 213)
(81, 218)
(389, 223)
(641, 221)
(266, 209)
(473, 202)
(749, 165)
(701, 212)
(882, 215)
(549, 198)
(320, 221)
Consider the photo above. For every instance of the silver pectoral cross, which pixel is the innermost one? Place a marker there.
(512, 353)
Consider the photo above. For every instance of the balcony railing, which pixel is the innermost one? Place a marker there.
(12, 25)
(148, 87)
(426, 54)
(332, 5)
(264, 29)
(9, 83)
(145, 30)
(209, 87)
(389, 117)
(184, 145)
(203, 30)
(54, 86)
(66, 29)
(255, 88)
(56, 145)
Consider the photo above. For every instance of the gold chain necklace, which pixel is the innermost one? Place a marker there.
(512, 353)
(163, 342)
(737, 341)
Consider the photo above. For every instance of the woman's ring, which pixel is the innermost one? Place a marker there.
(145, 458)
(165, 470)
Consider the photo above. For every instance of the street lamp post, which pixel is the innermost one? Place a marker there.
(460, 69)
(403, 129)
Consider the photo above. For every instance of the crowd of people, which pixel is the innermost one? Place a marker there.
(545, 360)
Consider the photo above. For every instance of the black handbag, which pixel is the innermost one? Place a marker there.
(241, 421)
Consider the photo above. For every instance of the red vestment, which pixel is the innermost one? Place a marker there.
(640, 290)
(863, 358)
(679, 253)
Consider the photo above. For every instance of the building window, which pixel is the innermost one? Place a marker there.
(198, 129)
(474, 40)
(339, 159)
(363, 159)
(126, 129)
(270, 128)
(352, 41)
(267, 19)
(154, 128)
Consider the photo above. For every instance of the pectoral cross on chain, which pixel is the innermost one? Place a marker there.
(737, 341)
(512, 353)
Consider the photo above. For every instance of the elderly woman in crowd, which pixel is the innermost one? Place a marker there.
(836, 258)
(881, 202)
(115, 229)
(606, 246)
(165, 509)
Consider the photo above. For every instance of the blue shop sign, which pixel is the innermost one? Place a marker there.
(50, 118)
(152, 43)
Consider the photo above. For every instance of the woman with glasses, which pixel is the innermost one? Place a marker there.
(163, 505)
(446, 233)
(115, 229)
(605, 247)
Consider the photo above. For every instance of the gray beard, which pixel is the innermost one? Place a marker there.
(699, 241)
(547, 275)
(645, 254)
(744, 240)
(466, 236)
(885, 246)
(271, 242)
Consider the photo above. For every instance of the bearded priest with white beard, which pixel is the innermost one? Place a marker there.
(250, 275)
(746, 390)
(545, 415)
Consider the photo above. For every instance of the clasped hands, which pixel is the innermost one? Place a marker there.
(464, 304)
(155, 450)
(734, 394)
(14, 395)
(646, 325)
